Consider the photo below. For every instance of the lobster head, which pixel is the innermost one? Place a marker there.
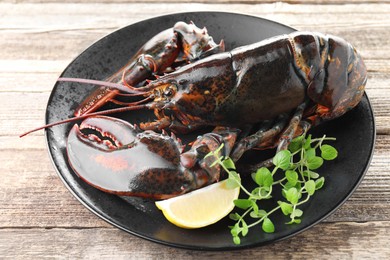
(194, 93)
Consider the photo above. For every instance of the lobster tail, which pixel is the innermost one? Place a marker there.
(347, 74)
(357, 79)
(336, 74)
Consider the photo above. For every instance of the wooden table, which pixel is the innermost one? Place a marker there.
(38, 215)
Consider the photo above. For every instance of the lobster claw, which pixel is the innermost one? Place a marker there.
(196, 42)
(196, 156)
(116, 157)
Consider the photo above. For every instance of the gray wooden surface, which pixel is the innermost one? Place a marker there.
(40, 218)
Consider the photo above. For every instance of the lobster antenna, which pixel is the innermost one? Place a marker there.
(102, 83)
(131, 103)
(131, 94)
(104, 112)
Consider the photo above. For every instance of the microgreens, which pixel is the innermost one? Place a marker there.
(297, 179)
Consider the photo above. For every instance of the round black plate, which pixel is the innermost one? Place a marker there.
(355, 133)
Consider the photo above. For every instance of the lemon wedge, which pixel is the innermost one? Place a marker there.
(201, 207)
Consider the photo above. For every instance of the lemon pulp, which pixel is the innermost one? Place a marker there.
(201, 207)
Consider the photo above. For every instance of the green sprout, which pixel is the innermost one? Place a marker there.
(298, 181)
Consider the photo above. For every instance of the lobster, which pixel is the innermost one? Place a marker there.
(164, 52)
(279, 87)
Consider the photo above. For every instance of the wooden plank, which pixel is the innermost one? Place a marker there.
(31, 28)
(29, 79)
(71, 17)
(337, 241)
(295, 2)
(34, 67)
(30, 187)
(12, 112)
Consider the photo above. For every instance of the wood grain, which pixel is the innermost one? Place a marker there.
(40, 218)
(315, 2)
(342, 240)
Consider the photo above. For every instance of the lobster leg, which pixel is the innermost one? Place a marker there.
(263, 137)
(302, 128)
(296, 127)
(289, 133)
(175, 124)
(283, 130)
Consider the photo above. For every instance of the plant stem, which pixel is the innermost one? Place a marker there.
(265, 216)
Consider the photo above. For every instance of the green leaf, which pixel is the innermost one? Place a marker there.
(294, 221)
(285, 207)
(261, 213)
(234, 180)
(314, 163)
(236, 240)
(310, 153)
(254, 214)
(255, 208)
(292, 195)
(242, 203)
(245, 228)
(284, 192)
(229, 164)
(319, 183)
(296, 213)
(296, 144)
(234, 216)
(268, 226)
(328, 152)
(234, 175)
(235, 230)
(263, 177)
(293, 147)
(282, 159)
(314, 175)
(256, 191)
(232, 183)
(307, 143)
(298, 139)
(310, 187)
(292, 177)
(311, 174)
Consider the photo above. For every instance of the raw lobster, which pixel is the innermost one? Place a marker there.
(285, 84)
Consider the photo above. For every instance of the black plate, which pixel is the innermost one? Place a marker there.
(355, 134)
